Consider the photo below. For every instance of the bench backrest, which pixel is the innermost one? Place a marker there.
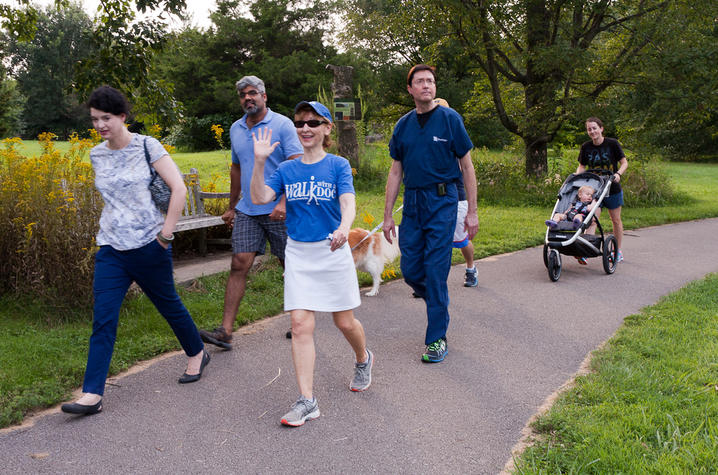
(194, 205)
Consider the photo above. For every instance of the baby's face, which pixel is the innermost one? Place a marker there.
(585, 196)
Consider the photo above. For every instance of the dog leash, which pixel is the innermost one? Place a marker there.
(376, 228)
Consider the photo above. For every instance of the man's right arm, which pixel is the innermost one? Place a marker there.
(235, 190)
(393, 183)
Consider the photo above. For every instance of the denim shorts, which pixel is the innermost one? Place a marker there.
(613, 201)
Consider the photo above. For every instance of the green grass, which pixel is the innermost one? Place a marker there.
(40, 363)
(650, 404)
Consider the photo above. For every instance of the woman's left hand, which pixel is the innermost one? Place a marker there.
(163, 244)
(616, 177)
(339, 238)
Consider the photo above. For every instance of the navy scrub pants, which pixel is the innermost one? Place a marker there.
(151, 267)
(425, 238)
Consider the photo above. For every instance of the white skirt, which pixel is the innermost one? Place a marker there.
(315, 278)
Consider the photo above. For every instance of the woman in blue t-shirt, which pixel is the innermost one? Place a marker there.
(319, 269)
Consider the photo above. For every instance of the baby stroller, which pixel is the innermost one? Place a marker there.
(564, 239)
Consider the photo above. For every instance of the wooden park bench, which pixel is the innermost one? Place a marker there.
(194, 215)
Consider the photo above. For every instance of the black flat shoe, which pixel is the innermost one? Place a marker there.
(75, 408)
(191, 378)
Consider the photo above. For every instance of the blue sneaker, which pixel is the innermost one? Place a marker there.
(619, 257)
(436, 351)
(470, 279)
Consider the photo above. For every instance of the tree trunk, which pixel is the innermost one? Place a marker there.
(539, 90)
(536, 156)
(342, 88)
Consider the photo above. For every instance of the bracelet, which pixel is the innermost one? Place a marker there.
(166, 240)
(619, 173)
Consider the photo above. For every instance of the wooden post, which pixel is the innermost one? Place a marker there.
(343, 88)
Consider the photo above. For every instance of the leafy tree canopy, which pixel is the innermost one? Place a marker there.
(544, 61)
(44, 69)
(280, 41)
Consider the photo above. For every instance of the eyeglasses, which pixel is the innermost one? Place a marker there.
(251, 93)
(311, 123)
(422, 81)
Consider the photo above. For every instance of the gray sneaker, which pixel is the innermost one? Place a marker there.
(362, 374)
(303, 410)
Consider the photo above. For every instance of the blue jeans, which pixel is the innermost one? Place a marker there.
(425, 239)
(151, 267)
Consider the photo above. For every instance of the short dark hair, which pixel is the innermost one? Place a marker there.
(416, 69)
(596, 120)
(109, 99)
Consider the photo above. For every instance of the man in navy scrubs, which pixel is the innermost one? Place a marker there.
(431, 151)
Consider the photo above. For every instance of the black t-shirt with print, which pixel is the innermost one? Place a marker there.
(605, 156)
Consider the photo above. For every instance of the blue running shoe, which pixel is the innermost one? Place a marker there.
(470, 279)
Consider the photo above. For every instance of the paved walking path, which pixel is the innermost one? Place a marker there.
(510, 347)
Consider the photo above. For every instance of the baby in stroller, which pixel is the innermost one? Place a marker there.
(577, 211)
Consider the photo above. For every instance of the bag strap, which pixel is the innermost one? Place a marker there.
(153, 172)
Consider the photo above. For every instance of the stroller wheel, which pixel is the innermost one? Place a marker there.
(546, 251)
(609, 254)
(554, 265)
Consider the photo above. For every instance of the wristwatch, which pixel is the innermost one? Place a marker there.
(166, 240)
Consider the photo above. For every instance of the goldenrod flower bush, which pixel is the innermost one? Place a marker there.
(49, 213)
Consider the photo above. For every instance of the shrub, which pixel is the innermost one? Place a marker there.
(195, 134)
(501, 179)
(646, 183)
(374, 166)
(49, 211)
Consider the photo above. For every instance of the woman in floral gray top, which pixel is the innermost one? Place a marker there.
(134, 241)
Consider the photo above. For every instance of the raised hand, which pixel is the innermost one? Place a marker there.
(263, 146)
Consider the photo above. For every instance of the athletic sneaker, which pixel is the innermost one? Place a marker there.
(436, 351)
(470, 279)
(362, 374)
(551, 223)
(581, 260)
(218, 336)
(303, 410)
(619, 257)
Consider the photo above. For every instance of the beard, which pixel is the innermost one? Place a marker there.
(250, 108)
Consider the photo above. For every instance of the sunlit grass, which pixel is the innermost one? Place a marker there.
(41, 363)
(651, 403)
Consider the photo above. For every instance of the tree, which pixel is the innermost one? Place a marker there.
(121, 48)
(561, 55)
(672, 106)
(11, 106)
(544, 60)
(393, 35)
(44, 68)
(280, 41)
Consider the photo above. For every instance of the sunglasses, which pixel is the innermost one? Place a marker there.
(311, 123)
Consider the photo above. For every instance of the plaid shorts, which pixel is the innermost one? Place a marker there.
(251, 233)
